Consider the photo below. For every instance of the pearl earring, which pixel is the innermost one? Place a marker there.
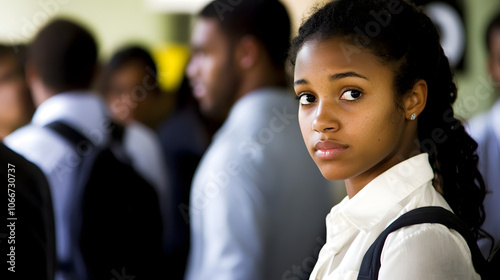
(413, 116)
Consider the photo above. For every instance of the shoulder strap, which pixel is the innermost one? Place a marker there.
(70, 134)
(81, 142)
(117, 131)
(370, 265)
(76, 138)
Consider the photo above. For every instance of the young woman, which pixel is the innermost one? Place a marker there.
(376, 93)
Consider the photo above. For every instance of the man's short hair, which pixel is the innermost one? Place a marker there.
(64, 55)
(493, 25)
(267, 20)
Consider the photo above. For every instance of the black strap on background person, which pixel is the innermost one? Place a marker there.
(76, 138)
(73, 267)
(117, 227)
(370, 265)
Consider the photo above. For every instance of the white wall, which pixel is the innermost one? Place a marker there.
(114, 22)
(475, 93)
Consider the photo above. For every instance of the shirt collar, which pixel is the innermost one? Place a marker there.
(382, 195)
(84, 111)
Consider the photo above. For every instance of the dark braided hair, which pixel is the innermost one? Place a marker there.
(403, 37)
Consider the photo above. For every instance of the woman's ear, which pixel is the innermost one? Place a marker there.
(415, 100)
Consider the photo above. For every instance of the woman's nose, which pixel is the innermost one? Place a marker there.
(324, 118)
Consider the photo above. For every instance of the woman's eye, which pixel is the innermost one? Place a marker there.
(351, 94)
(305, 98)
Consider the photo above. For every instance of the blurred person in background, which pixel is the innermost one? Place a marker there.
(29, 189)
(485, 129)
(27, 194)
(128, 84)
(16, 105)
(258, 202)
(60, 69)
(185, 135)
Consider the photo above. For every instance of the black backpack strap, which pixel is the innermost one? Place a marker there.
(76, 138)
(73, 266)
(83, 145)
(70, 134)
(370, 265)
(117, 131)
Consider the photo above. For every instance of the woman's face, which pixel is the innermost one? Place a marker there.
(348, 115)
(130, 92)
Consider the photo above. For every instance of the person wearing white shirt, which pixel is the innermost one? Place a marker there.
(257, 200)
(377, 112)
(55, 157)
(426, 251)
(129, 85)
(60, 94)
(485, 129)
(143, 146)
(61, 64)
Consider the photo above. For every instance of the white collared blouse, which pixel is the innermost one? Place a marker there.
(424, 251)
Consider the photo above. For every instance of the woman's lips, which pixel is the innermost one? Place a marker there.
(329, 149)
